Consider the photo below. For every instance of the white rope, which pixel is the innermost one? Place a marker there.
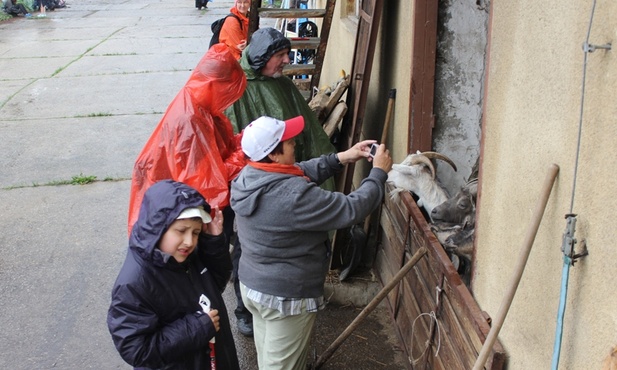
(433, 316)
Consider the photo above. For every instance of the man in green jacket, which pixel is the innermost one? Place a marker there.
(269, 93)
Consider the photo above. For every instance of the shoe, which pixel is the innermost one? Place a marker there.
(28, 15)
(245, 327)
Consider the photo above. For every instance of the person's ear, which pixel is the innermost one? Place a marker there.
(273, 157)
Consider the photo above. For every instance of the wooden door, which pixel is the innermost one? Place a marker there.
(370, 15)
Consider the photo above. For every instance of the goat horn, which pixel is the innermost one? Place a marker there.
(440, 156)
(417, 159)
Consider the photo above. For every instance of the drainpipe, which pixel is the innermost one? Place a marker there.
(568, 238)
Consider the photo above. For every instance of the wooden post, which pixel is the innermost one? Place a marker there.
(520, 266)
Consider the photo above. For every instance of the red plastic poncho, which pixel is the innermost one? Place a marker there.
(194, 141)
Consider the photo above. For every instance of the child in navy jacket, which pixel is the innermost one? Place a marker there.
(166, 308)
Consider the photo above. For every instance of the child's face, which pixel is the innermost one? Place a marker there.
(181, 238)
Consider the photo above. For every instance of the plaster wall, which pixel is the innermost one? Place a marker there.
(391, 69)
(341, 43)
(459, 87)
(533, 98)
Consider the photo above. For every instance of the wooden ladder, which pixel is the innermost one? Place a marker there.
(306, 86)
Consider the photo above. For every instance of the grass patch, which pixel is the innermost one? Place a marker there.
(82, 180)
(58, 71)
(101, 114)
(117, 54)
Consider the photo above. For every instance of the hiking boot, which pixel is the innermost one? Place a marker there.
(245, 327)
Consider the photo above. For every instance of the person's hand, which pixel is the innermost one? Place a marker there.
(382, 159)
(214, 316)
(356, 152)
(242, 45)
(214, 227)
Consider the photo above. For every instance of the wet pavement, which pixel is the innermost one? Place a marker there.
(80, 92)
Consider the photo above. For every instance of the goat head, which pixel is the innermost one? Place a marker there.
(416, 173)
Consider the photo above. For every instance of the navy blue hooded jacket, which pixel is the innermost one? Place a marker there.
(155, 318)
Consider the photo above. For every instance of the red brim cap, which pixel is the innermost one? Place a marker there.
(293, 127)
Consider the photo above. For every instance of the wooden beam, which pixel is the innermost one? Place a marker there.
(323, 35)
(305, 42)
(423, 75)
(291, 13)
(298, 69)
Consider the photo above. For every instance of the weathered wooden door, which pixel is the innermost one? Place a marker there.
(369, 17)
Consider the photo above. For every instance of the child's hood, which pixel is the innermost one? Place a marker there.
(162, 204)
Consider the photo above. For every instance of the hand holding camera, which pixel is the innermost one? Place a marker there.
(373, 150)
(369, 149)
(380, 157)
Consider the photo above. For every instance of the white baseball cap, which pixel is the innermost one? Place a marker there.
(195, 212)
(262, 135)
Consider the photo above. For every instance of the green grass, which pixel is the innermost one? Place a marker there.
(82, 180)
(101, 114)
(4, 16)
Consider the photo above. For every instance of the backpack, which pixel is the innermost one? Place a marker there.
(306, 29)
(216, 28)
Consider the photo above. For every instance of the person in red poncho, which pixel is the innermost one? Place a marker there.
(235, 30)
(194, 142)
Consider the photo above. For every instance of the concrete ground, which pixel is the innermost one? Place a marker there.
(80, 92)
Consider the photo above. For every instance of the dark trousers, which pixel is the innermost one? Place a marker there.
(228, 229)
(240, 311)
(16, 10)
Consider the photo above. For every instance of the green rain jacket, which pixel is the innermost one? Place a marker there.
(279, 98)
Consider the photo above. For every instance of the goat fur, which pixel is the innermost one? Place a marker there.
(460, 208)
(413, 175)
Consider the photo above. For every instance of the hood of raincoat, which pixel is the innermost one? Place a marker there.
(264, 43)
(162, 204)
(194, 142)
(216, 82)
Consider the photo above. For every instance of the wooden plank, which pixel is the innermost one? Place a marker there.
(291, 13)
(457, 331)
(337, 93)
(305, 42)
(324, 35)
(464, 327)
(253, 17)
(426, 292)
(298, 69)
(364, 52)
(421, 117)
(332, 123)
(395, 250)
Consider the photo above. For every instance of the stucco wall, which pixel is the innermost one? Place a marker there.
(459, 87)
(532, 120)
(391, 69)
